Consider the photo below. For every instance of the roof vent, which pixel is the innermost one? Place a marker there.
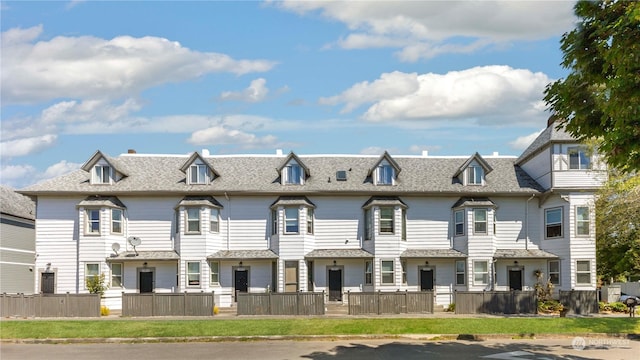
(341, 175)
(131, 151)
(205, 152)
(279, 152)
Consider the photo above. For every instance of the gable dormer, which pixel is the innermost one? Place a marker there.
(385, 171)
(198, 170)
(293, 171)
(103, 169)
(473, 171)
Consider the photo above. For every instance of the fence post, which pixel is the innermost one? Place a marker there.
(348, 301)
(213, 302)
(378, 300)
(406, 301)
(184, 304)
(66, 305)
(153, 303)
(270, 303)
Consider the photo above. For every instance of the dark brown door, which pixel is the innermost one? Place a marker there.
(426, 279)
(515, 279)
(335, 284)
(48, 283)
(242, 281)
(146, 281)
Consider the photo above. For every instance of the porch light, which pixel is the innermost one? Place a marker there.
(240, 263)
(334, 263)
(515, 262)
(144, 264)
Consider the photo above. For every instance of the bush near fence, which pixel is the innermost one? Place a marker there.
(298, 303)
(50, 305)
(405, 302)
(496, 302)
(168, 304)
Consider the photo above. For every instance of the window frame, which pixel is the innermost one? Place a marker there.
(115, 275)
(403, 226)
(89, 229)
(551, 272)
(583, 272)
(274, 222)
(477, 222)
(548, 225)
(201, 172)
(461, 223)
(462, 273)
(214, 267)
(475, 175)
(583, 161)
(368, 224)
(189, 273)
(290, 221)
(118, 221)
(484, 274)
(382, 220)
(190, 221)
(100, 176)
(368, 272)
(384, 174)
(310, 221)
(583, 222)
(388, 273)
(403, 265)
(214, 220)
(87, 274)
(293, 174)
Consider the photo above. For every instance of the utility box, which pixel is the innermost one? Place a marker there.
(611, 293)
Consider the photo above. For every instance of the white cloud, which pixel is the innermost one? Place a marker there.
(88, 67)
(256, 92)
(420, 148)
(487, 94)
(25, 146)
(220, 135)
(423, 29)
(61, 168)
(377, 150)
(523, 142)
(14, 175)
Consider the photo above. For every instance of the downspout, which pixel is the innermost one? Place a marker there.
(228, 219)
(526, 220)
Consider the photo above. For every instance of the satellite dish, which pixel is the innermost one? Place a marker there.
(115, 247)
(134, 241)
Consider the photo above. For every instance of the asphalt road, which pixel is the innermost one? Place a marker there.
(358, 349)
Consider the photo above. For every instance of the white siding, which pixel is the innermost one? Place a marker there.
(539, 168)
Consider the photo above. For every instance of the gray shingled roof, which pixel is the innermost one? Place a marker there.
(548, 136)
(257, 174)
(13, 203)
(523, 253)
(432, 253)
(144, 255)
(338, 254)
(242, 255)
(109, 201)
(466, 201)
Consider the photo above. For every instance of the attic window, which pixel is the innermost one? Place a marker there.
(341, 175)
(474, 175)
(384, 174)
(292, 173)
(198, 174)
(102, 174)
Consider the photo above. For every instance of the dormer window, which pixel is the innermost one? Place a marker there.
(475, 174)
(101, 174)
(384, 174)
(293, 174)
(578, 158)
(473, 171)
(199, 174)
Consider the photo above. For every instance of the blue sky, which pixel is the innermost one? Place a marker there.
(361, 77)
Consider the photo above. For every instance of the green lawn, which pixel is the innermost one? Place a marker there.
(61, 329)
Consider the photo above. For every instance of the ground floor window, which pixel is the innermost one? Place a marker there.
(215, 272)
(386, 272)
(460, 272)
(116, 275)
(92, 271)
(583, 272)
(481, 272)
(554, 272)
(193, 273)
(368, 272)
(290, 276)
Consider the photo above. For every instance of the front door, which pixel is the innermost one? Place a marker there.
(47, 282)
(146, 281)
(335, 284)
(241, 281)
(426, 279)
(515, 279)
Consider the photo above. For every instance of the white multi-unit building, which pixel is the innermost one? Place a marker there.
(333, 223)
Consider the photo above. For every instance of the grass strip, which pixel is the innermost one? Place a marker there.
(69, 329)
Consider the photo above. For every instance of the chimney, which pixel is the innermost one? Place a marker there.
(131, 151)
(425, 153)
(551, 120)
(495, 153)
(279, 152)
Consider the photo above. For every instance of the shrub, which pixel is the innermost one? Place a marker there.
(96, 285)
(612, 307)
(451, 308)
(104, 311)
(549, 306)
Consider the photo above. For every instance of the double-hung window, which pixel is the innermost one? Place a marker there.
(553, 223)
(193, 273)
(582, 220)
(459, 222)
(384, 174)
(387, 273)
(116, 221)
(368, 272)
(479, 221)
(404, 224)
(214, 220)
(274, 222)
(386, 220)
(474, 175)
(193, 220)
(461, 266)
(583, 272)
(198, 173)
(215, 272)
(293, 174)
(481, 272)
(93, 221)
(309, 221)
(554, 271)
(102, 174)
(291, 219)
(578, 158)
(116, 275)
(368, 225)
(91, 272)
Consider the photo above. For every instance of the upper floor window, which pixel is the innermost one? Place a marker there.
(583, 223)
(404, 224)
(458, 216)
(198, 174)
(578, 158)
(368, 225)
(116, 221)
(214, 220)
(309, 221)
(386, 220)
(475, 175)
(291, 220)
(384, 174)
(93, 221)
(101, 174)
(479, 221)
(293, 174)
(193, 220)
(553, 223)
(274, 222)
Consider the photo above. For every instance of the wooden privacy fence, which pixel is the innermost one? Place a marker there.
(50, 305)
(580, 301)
(414, 302)
(168, 304)
(292, 303)
(496, 302)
